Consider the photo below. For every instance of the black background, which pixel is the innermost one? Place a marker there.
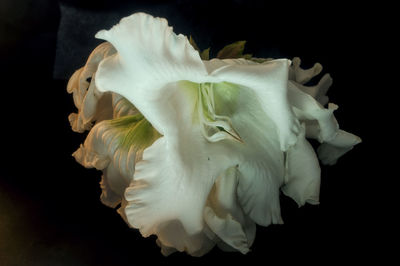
(50, 212)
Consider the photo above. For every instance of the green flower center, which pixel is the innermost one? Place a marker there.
(214, 127)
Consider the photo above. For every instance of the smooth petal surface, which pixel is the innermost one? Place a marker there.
(269, 82)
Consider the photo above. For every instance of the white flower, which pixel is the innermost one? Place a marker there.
(196, 151)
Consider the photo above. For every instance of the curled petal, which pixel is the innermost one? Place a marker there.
(150, 56)
(122, 106)
(173, 237)
(91, 104)
(114, 146)
(173, 183)
(318, 91)
(225, 216)
(343, 142)
(321, 124)
(258, 193)
(303, 174)
(300, 75)
(307, 108)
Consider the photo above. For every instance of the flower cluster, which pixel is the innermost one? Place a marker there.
(194, 150)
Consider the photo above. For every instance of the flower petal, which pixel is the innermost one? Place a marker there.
(303, 174)
(114, 146)
(343, 142)
(261, 165)
(307, 108)
(173, 237)
(335, 142)
(172, 182)
(300, 75)
(318, 91)
(92, 105)
(269, 81)
(224, 215)
(150, 56)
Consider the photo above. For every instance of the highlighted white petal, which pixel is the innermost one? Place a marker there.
(269, 81)
(150, 56)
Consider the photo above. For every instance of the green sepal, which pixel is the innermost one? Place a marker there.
(205, 55)
(247, 56)
(260, 60)
(193, 43)
(234, 50)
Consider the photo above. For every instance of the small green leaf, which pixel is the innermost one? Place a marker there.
(260, 60)
(205, 55)
(193, 43)
(234, 50)
(247, 56)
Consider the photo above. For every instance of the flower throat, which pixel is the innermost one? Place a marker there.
(213, 127)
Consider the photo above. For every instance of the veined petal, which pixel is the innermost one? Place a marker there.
(92, 105)
(303, 174)
(114, 146)
(269, 81)
(122, 107)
